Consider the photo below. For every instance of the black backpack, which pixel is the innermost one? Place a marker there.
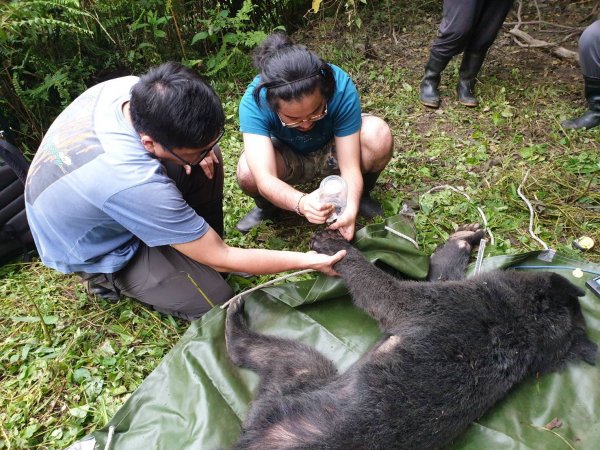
(15, 235)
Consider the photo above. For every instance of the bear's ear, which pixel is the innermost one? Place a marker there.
(584, 349)
(562, 287)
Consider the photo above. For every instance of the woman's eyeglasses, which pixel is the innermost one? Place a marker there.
(203, 153)
(300, 122)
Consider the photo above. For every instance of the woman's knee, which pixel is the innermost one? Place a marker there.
(376, 143)
(245, 178)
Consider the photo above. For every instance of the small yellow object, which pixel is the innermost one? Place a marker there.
(583, 243)
(578, 273)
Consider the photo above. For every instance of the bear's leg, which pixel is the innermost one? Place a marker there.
(371, 289)
(384, 297)
(450, 260)
(283, 365)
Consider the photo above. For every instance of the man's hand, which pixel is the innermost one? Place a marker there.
(207, 164)
(324, 263)
(345, 224)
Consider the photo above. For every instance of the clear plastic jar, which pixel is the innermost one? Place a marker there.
(333, 189)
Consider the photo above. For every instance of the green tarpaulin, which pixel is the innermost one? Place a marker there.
(196, 398)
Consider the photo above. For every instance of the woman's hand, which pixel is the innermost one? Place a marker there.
(312, 208)
(345, 224)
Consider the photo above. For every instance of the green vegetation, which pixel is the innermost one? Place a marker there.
(68, 361)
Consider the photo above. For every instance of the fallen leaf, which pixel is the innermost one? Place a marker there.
(554, 423)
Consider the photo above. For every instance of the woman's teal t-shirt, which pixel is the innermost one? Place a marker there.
(343, 117)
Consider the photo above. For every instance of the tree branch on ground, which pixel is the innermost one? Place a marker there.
(523, 39)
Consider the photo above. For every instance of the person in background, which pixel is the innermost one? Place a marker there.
(468, 27)
(126, 190)
(589, 58)
(301, 120)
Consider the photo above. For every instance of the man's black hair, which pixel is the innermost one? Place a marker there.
(289, 71)
(175, 107)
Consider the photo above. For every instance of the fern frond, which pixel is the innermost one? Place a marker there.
(51, 23)
(71, 7)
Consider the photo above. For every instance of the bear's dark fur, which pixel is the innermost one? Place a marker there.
(451, 349)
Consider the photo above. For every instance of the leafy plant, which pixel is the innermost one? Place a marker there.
(231, 34)
(34, 70)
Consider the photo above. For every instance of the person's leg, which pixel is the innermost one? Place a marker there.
(203, 194)
(376, 149)
(589, 57)
(457, 20)
(456, 26)
(171, 283)
(487, 23)
(589, 50)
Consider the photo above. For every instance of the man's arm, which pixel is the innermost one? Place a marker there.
(212, 251)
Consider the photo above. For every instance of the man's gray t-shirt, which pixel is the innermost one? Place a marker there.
(93, 192)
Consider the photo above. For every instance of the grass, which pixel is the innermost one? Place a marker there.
(55, 385)
(61, 381)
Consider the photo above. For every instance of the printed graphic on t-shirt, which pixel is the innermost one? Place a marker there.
(69, 144)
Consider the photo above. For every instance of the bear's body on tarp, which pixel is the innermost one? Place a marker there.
(452, 348)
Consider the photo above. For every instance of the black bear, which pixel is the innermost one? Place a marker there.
(452, 347)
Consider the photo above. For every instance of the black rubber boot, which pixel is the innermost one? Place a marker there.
(101, 285)
(369, 207)
(429, 94)
(591, 118)
(264, 210)
(467, 74)
(101, 291)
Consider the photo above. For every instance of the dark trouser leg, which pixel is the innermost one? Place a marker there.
(487, 23)
(164, 279)
(100, 285)
(172, 283)
(591, 118)
(369, 207)
(203, 194)
(589, 51)
(459, 18)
